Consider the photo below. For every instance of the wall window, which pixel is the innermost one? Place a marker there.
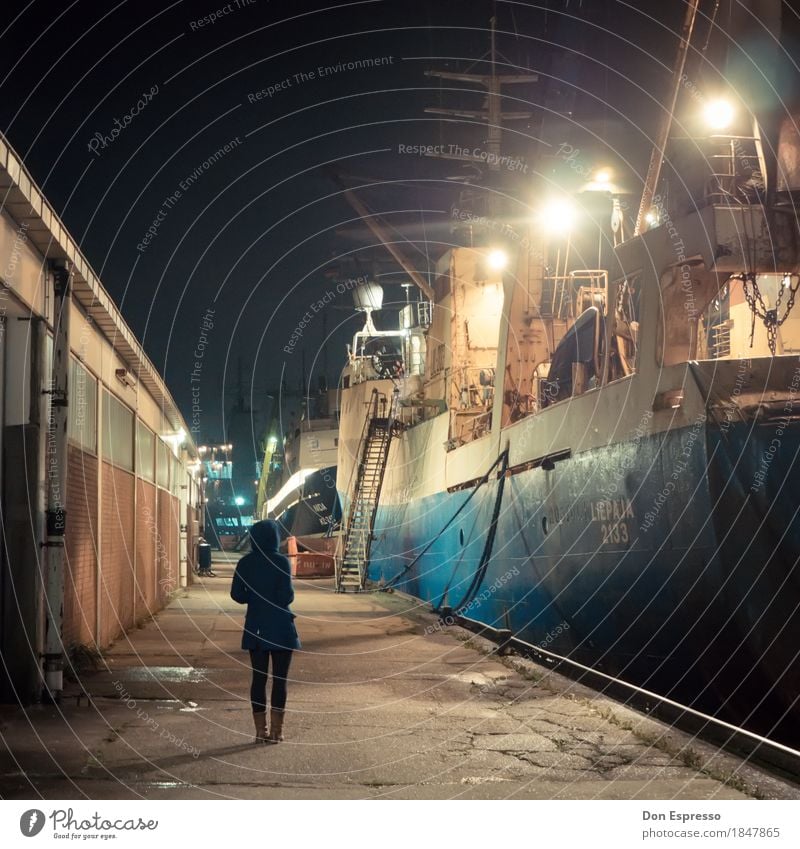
(82, 418)
(117, 432)
(145, 451)
(163, 463)
(178, 475)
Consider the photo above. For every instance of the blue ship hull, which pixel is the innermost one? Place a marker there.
(670, 562)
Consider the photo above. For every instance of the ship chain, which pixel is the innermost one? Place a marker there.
(771, 318)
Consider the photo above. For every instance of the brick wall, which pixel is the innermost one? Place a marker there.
(168, 572)
(80, 573)
(145, 602)
(175, 538)
(134, 582)
(117, 556)
(192, 533)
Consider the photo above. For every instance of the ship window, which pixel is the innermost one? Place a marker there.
(438, 359)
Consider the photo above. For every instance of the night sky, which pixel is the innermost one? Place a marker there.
(176, 229)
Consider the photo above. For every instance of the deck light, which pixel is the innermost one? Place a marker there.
(497, 259)
(603, 177)
(719, 114)
(558, 216)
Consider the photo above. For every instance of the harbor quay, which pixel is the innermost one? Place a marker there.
(380, 706)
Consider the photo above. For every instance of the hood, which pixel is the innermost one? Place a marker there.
(264, 536)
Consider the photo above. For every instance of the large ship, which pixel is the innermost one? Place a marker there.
(603, 460)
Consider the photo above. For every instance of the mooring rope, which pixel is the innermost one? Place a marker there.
(406, 569)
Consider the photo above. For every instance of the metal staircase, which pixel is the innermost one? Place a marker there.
(376, 438)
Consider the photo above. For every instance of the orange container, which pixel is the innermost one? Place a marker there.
(312, 565)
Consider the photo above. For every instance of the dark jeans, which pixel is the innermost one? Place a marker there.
(280, 669)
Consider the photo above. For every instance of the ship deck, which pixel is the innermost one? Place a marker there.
(382, 704)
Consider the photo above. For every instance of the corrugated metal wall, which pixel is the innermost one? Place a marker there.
(168, 531)
(117, 554)
(139, 550)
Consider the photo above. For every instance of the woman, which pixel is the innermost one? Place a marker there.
(263, 582)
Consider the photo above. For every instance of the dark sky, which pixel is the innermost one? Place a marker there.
(252, 236)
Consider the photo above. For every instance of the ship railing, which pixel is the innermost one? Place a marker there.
(474, 386)
(372, 411)
(468, 425)
(737, 175)
(425, 313)
(570, 290)
(721, 339)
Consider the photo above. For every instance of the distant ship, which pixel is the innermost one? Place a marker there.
(306, 502)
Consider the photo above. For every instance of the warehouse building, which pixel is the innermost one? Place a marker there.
(99, 499)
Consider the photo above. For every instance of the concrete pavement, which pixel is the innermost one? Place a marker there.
(380, 706)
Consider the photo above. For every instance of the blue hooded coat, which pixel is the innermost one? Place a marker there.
(263, 582)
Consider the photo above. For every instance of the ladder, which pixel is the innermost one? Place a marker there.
(376, 438)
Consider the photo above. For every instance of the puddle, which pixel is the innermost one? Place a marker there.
(164, 785)
(170, 674)
(477, 678)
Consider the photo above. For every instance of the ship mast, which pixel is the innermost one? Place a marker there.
(492, 114)
(657, 156)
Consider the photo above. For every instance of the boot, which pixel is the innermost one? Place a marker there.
(275, 726)
(260, 721)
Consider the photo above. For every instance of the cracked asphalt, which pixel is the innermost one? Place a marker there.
(380, 706)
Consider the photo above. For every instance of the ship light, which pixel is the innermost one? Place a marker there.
(558, 216)
(497, 259)
(603, 177)
(238, 501)
(651, 218)
(719, 114)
